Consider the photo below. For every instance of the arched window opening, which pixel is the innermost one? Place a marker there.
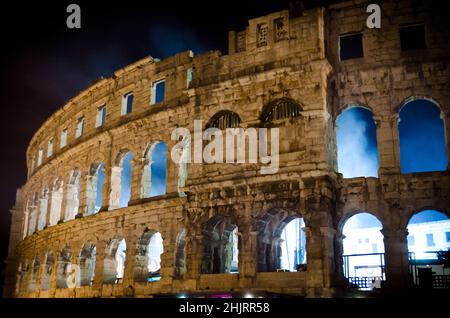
(47, 271)
(281, 241)
(363, 252)
(356, 138)
(429, 249)
(86, 261)
(293, 246)
(148, 257)
(220, 243)
(224, 119)
(155, 166)
(43, 208)
(280, 109)
(121, 181)
(114, 262)
(180, 255)
(64, 268)
(56, 202)
(422, 137)
(32, 208)
(34, 275)
(73, 194)
(94, 186)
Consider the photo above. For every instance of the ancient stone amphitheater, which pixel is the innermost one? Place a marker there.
(285, 70)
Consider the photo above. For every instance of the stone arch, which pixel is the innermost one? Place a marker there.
(34, 274)
(180, 254)
(224, 119)
(281, 108)
(149, 248)
(114, 261)
(422, 134)
(86, 261)
(64, 267)
(56, 201)
(47, 270)
(72, 194)
(269, 227)
(154, 176)
(121, 180)
(94, 186)
(219, 244)
(412, 212)
(362, 248)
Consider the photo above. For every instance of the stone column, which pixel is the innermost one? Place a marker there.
(171, 170)
(130, 261)
(64, 201)
(49, 207)
(248, 254)
(82, 195)
(137, 169)
(396, 257)
(115, 187)
(99, 260)
(388, 143)
(194, 253)
(106, 188)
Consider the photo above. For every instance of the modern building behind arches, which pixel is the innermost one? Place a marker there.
(288, 70)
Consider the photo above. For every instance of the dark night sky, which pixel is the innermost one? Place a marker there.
(44, 63)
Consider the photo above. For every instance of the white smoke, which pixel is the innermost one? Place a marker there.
(355, 158)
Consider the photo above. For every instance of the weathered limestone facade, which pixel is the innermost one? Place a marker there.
(297, 62)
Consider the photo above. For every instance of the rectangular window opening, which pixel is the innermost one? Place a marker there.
(50, 147)
(80, 127)
(158, 92)
(350, 46)
(100, 119)
(412, 37)
(63, 141)
(430, 239)
(127, 103)
(189, 76)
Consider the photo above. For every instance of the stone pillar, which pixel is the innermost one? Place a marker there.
(388, 144)
(168, 255)
(106, 188)
(115, 188)
(82, 207)
(99, 263)
(248, 253)
(54, 275)
(137, 169)
(130, 261)
(49, 207)
(171, 170)
(194, 253)
(321, 267)
(64, 202)
(396, 257)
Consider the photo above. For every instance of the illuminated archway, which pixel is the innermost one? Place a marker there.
(421, 132)
(356, 141)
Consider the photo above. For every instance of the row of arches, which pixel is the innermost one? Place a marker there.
(46, 208)
(421, 134)
(147, 255)
(281, 245)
